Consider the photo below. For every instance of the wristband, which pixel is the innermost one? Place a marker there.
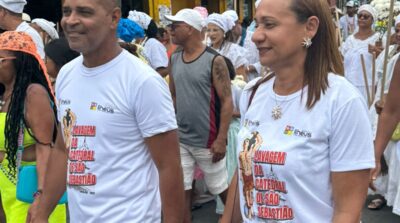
(37, 193)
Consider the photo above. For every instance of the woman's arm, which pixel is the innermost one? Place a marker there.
(40, 120)
(349, 194)
(232, 206)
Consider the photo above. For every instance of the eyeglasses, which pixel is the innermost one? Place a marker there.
(363, 16)
(176, 25)
(6, 58)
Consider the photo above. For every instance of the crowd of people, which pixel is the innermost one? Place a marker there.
(291, 117)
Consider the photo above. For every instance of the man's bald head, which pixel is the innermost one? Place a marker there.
(110, 4)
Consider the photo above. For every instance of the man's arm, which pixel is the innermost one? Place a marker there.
(172, 85)
(164, 149)
(163, 71)
(222, 85)
(55, 182)
(349, 193)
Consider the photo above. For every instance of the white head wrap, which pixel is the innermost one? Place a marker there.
(48, 27)
(232, 14)
(141, 18)
(371, 10)
(397, 20)
(16, 6)
(224, 22)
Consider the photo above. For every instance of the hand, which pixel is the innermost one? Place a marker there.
(378, 50)
(32, 216)
(218, 148)
(379, 106)
(374, 174)
(371, 48)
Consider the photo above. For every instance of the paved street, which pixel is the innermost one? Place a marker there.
(206, 214)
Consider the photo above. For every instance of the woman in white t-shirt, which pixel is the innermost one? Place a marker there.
(217, 27)
(154, 51)
(357, 45)
(305, 127)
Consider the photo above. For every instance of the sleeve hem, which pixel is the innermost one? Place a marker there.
(147, 133)
(342, 167)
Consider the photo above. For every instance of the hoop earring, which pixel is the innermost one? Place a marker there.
(306, 42)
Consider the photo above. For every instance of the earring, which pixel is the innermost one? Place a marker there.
(306, 42)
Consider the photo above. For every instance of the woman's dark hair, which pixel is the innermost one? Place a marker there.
(161, 32)
(59, 51)
(131, 48)
(152, 30)
(28, 71)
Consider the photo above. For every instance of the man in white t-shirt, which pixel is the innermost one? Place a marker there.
(348, 23)
(11, 20)
(118, 122)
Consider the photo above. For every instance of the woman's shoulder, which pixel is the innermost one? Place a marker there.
(340, 86)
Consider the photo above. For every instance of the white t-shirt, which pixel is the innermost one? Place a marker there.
(106, 113)
(286, 169)
(156, 53)
(351, 51)
(26, 28)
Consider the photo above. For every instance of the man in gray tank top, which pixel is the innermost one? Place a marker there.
(201, 89)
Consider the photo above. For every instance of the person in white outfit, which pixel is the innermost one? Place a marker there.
(348, 22)
(217, 27)
(357, 45)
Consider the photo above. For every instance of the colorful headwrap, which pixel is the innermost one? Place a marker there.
(22, 42)
(129, 30)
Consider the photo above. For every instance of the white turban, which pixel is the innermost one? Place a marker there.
(224, 22)
(371, 10)
(234, 16)
(48, 27)
(16, 6)
(141, 18)
(397, 20)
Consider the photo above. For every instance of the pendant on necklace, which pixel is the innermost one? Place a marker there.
(276, 112)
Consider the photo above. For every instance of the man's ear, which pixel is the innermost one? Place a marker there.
(115, 16)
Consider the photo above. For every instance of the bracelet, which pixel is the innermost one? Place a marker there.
(37, 193)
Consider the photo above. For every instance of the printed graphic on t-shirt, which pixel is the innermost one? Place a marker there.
(80, 154)
(263, 191)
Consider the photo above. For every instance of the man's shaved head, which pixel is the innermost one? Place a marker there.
(110, 4)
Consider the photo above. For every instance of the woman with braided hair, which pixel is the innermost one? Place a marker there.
(28, 103)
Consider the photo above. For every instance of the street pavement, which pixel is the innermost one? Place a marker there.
(206, 214)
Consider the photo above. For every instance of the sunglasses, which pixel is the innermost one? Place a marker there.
(363, 16)
(176, 25)
(6, 58)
